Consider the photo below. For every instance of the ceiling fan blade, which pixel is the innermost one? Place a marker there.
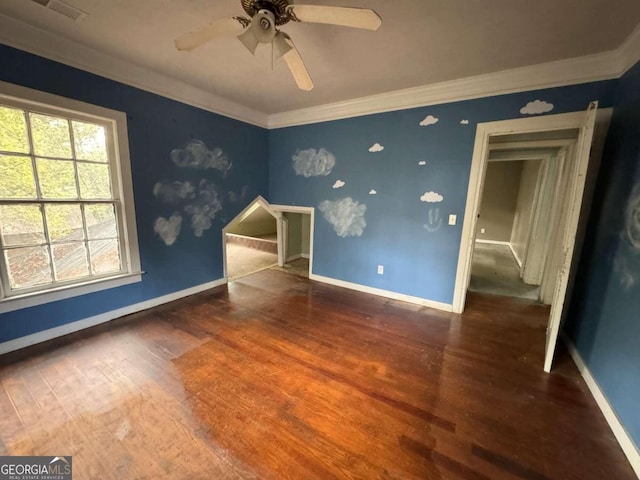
(297, 67)
(343, 16)
(218, 28)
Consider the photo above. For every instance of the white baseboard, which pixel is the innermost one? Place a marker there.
(297, 256)
(506, 244)
(78, 325)
(515, 255)
(492, 242)
(383, 293)
(627, 444)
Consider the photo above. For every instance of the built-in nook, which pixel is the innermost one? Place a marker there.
(251, 240)
(264, 236)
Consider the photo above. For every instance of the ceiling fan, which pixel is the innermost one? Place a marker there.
(262, 27)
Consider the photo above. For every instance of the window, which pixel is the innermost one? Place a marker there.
(66, 216)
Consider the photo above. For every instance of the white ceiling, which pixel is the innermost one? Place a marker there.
(421, 42)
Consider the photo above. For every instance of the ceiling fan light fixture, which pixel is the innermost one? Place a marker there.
(280, 46)
(261, 27)
(249, 40)
(261, 30)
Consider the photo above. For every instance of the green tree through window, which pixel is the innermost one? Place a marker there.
(58, 213)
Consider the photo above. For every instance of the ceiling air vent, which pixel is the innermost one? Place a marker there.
(62, 8)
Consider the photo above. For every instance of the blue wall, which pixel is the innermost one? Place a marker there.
(604, 319)
(406, 235)
(402, 232)
(157, 126)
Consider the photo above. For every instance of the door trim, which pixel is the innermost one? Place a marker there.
(479, 162)
(296, 209)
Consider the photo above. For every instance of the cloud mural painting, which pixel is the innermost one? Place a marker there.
(627, 259)
(375, 148)
(196, 154)
(346, 216)
(536, 107)
(237, 197)
(422, 163)
(204, 208)
(632, 221)
(372, 192)
(313, 163)
(174, 192)
(431, 197)
(434, 220)
(429, 120)
(339, 184)
(464, 122)
(168, 229)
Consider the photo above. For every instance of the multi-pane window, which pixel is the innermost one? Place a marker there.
(61, 215)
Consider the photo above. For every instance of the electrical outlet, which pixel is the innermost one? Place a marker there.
(452, 219)
(380, 269)
(482, 230)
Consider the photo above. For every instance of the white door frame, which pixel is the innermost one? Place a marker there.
(543, 212)
(269, 208)
(281, 238)
(479, 162)
(484, 132)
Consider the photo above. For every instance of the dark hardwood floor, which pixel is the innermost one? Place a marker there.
(279, 377)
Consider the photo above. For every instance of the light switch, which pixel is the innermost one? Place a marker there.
(452, 219)
(482, 230)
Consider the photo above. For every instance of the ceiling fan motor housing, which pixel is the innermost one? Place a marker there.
(277, 7)
(263, 26)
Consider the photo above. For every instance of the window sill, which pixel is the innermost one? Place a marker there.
(18, 302)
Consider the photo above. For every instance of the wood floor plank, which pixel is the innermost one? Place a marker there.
(279, 377)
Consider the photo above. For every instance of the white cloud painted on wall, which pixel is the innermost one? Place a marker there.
(237, 197)
(372, 192)
(632, 221)
(536, 107)
(626, 275)
(313, 163)
(431, 197)
(174, 192)
(434, 220)
(168, 229)
(422, 163)
(429, 120)
(196, 154)
(375, 148)
(339, 184)
(205, 207)
(346, 216)
(464, 122)
(627, 258)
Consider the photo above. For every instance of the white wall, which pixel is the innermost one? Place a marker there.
(257, 223)
(499, 200)
(524, 207)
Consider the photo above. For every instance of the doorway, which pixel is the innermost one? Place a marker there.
(295, 239)
(268, 236)
(250, 241)
(566, 242)
(518, 214)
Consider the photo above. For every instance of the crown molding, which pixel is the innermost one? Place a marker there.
(23, 36)
(629, 52)
(591, 68)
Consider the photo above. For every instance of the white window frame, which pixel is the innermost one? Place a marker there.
(120, 167)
